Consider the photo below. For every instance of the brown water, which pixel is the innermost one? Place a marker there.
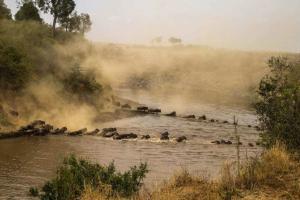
(26, 162)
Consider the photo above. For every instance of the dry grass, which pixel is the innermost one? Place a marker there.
(103, 193)
(184, 186)
(273, 175)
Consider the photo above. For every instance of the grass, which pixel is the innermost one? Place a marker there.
(273, 175)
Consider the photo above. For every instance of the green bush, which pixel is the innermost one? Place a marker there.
(278, 106)
(4, 11)
(28, 11)
(33, 191)
(15, 71)
(75, 174)
(29, 53)
(84, 85)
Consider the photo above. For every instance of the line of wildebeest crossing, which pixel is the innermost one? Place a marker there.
(41, 128)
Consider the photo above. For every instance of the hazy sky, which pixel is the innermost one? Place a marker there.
(237, 24)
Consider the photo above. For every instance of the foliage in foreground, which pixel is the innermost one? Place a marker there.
(75, 175)
(273, 175)
(278, 106)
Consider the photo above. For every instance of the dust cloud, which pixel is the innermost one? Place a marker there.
(185, 73)
(181, 74)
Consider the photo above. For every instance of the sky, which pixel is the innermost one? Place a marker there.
(268, 25)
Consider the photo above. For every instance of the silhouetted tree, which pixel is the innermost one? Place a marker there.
(28, 11)
(157, 40)
(77, 23)
(60, 9)
(85, 23)
(4, 11)
(174, 40)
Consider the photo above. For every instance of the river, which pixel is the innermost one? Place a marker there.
(30, 161)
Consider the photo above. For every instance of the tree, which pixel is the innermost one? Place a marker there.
(174, 40)
(77, 23)
(4, 11)
(85, 23)
(28, 11)
(69, 22)
(278, 106)
(157, 40)
(60, 9)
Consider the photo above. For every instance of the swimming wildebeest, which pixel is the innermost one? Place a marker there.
(125, 136)
(154, 110)
(77, 133)
(109, 134)
(60, 131)
(107, 130)
(181, 139)
(171, 114)
(145, 137)
(203, 117)
(164, 136)
(190, 117)
(94, 132)
(142, 108)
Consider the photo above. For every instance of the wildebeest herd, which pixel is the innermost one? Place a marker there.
(41, 128)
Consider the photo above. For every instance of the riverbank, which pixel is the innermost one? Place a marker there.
(273, 175)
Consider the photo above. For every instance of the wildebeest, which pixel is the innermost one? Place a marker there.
(125, 136)
(181, 139)
(107, 130)
(203, 117)
(94, 132)
(190, 117)
(77, 133)
(164, 136)
(171, 114)
(60, 131)
(109, 134)
(250, 145)
(154, 110)
(142, 108)
(145, 137)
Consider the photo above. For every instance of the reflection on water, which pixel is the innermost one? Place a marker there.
(26, 162)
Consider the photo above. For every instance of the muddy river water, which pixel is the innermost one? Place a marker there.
(26, 162)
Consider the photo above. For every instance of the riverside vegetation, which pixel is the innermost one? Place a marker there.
(41, 71)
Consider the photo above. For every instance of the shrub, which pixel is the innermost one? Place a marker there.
(33, 191)
(273, 171)
(278, 106)
(15, 71)
(84, 85)
(76, 174)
